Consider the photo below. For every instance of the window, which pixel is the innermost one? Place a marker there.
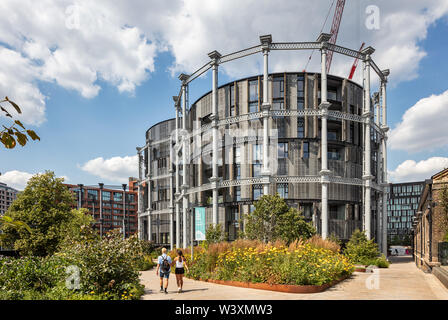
(278, 105)
(238, 193)
(352, 133)
(278, 88)
(256, 169)
(92, 194)
(257, 149)
(161, 163)
(232, 109)
(282, 148)
(300, 128)
(300, 92)
(332, 135)
(237, 173)
(253, 107)
(334, 154)
(257, 191)
(118, 196)
(278, 93)
(253, 90)
(130, 197)
(282, 190)
(306, 150)
(282, 154)
(332, 93)
(106, 196)
(256, 162)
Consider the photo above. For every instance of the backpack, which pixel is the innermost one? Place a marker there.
(165, 265)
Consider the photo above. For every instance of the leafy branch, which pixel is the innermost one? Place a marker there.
(16, 132)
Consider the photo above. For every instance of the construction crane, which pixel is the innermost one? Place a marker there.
(355, 64)
(335, 29)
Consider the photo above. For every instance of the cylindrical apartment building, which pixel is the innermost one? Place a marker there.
(316, 143)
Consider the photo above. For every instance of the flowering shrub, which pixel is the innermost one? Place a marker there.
(108, 265)
(300, 263)
(108, 270)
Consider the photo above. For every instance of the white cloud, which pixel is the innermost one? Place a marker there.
(16, 82)
(423, 126)
(410, 170)
(18, 179)
(79, 43)
(117, 169)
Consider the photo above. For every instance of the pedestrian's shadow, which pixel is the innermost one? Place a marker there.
(191, 290)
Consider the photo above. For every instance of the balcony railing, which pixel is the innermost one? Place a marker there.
(343, 229)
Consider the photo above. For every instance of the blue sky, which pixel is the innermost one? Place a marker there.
(104, 86)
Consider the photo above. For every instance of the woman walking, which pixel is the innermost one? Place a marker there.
(181, 264)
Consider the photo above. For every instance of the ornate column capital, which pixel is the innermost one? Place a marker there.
(367, 52)
(214, 56)
(183, 77)
(266, 41)
(324, 107)
(323, 39)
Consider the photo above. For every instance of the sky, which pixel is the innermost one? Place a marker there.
(92, 77)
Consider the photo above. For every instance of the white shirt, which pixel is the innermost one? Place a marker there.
(179, 264)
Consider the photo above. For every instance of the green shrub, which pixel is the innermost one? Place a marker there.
(146, 263)
(215, 234)
(360, 250)
(109, 265)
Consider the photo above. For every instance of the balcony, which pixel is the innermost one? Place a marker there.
(343, 229)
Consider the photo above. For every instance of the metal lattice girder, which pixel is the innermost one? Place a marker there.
(346, 51)
(280, 179)
(345, 116)
(240, 54)
(297, 179)
(377, 70)
(284, 113)
(198, 72)
(349, 181)
(295, 113)
(294, 45)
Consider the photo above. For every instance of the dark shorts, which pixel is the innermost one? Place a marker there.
(179, 271)
(164, 274)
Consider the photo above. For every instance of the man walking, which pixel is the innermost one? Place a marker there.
(164, 263)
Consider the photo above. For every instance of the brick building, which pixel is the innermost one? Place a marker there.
(430, 224)
(111, 211)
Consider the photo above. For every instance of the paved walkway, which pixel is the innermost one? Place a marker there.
(402, 280)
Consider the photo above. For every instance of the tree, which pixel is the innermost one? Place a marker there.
(45, 206)
(360, 250)
(16, 131)
(214, 234)
(272, 219)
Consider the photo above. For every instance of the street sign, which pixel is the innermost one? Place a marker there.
(199, 223)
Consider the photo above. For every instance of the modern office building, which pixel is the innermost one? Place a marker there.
(402, 204)
(106, 204)
(325, 150)
(7, 196)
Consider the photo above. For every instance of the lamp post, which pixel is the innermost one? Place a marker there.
(101, 185)
(80, 196)
(124, 210)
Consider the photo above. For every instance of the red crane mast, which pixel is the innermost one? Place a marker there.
(355, 64)
(335, 29)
